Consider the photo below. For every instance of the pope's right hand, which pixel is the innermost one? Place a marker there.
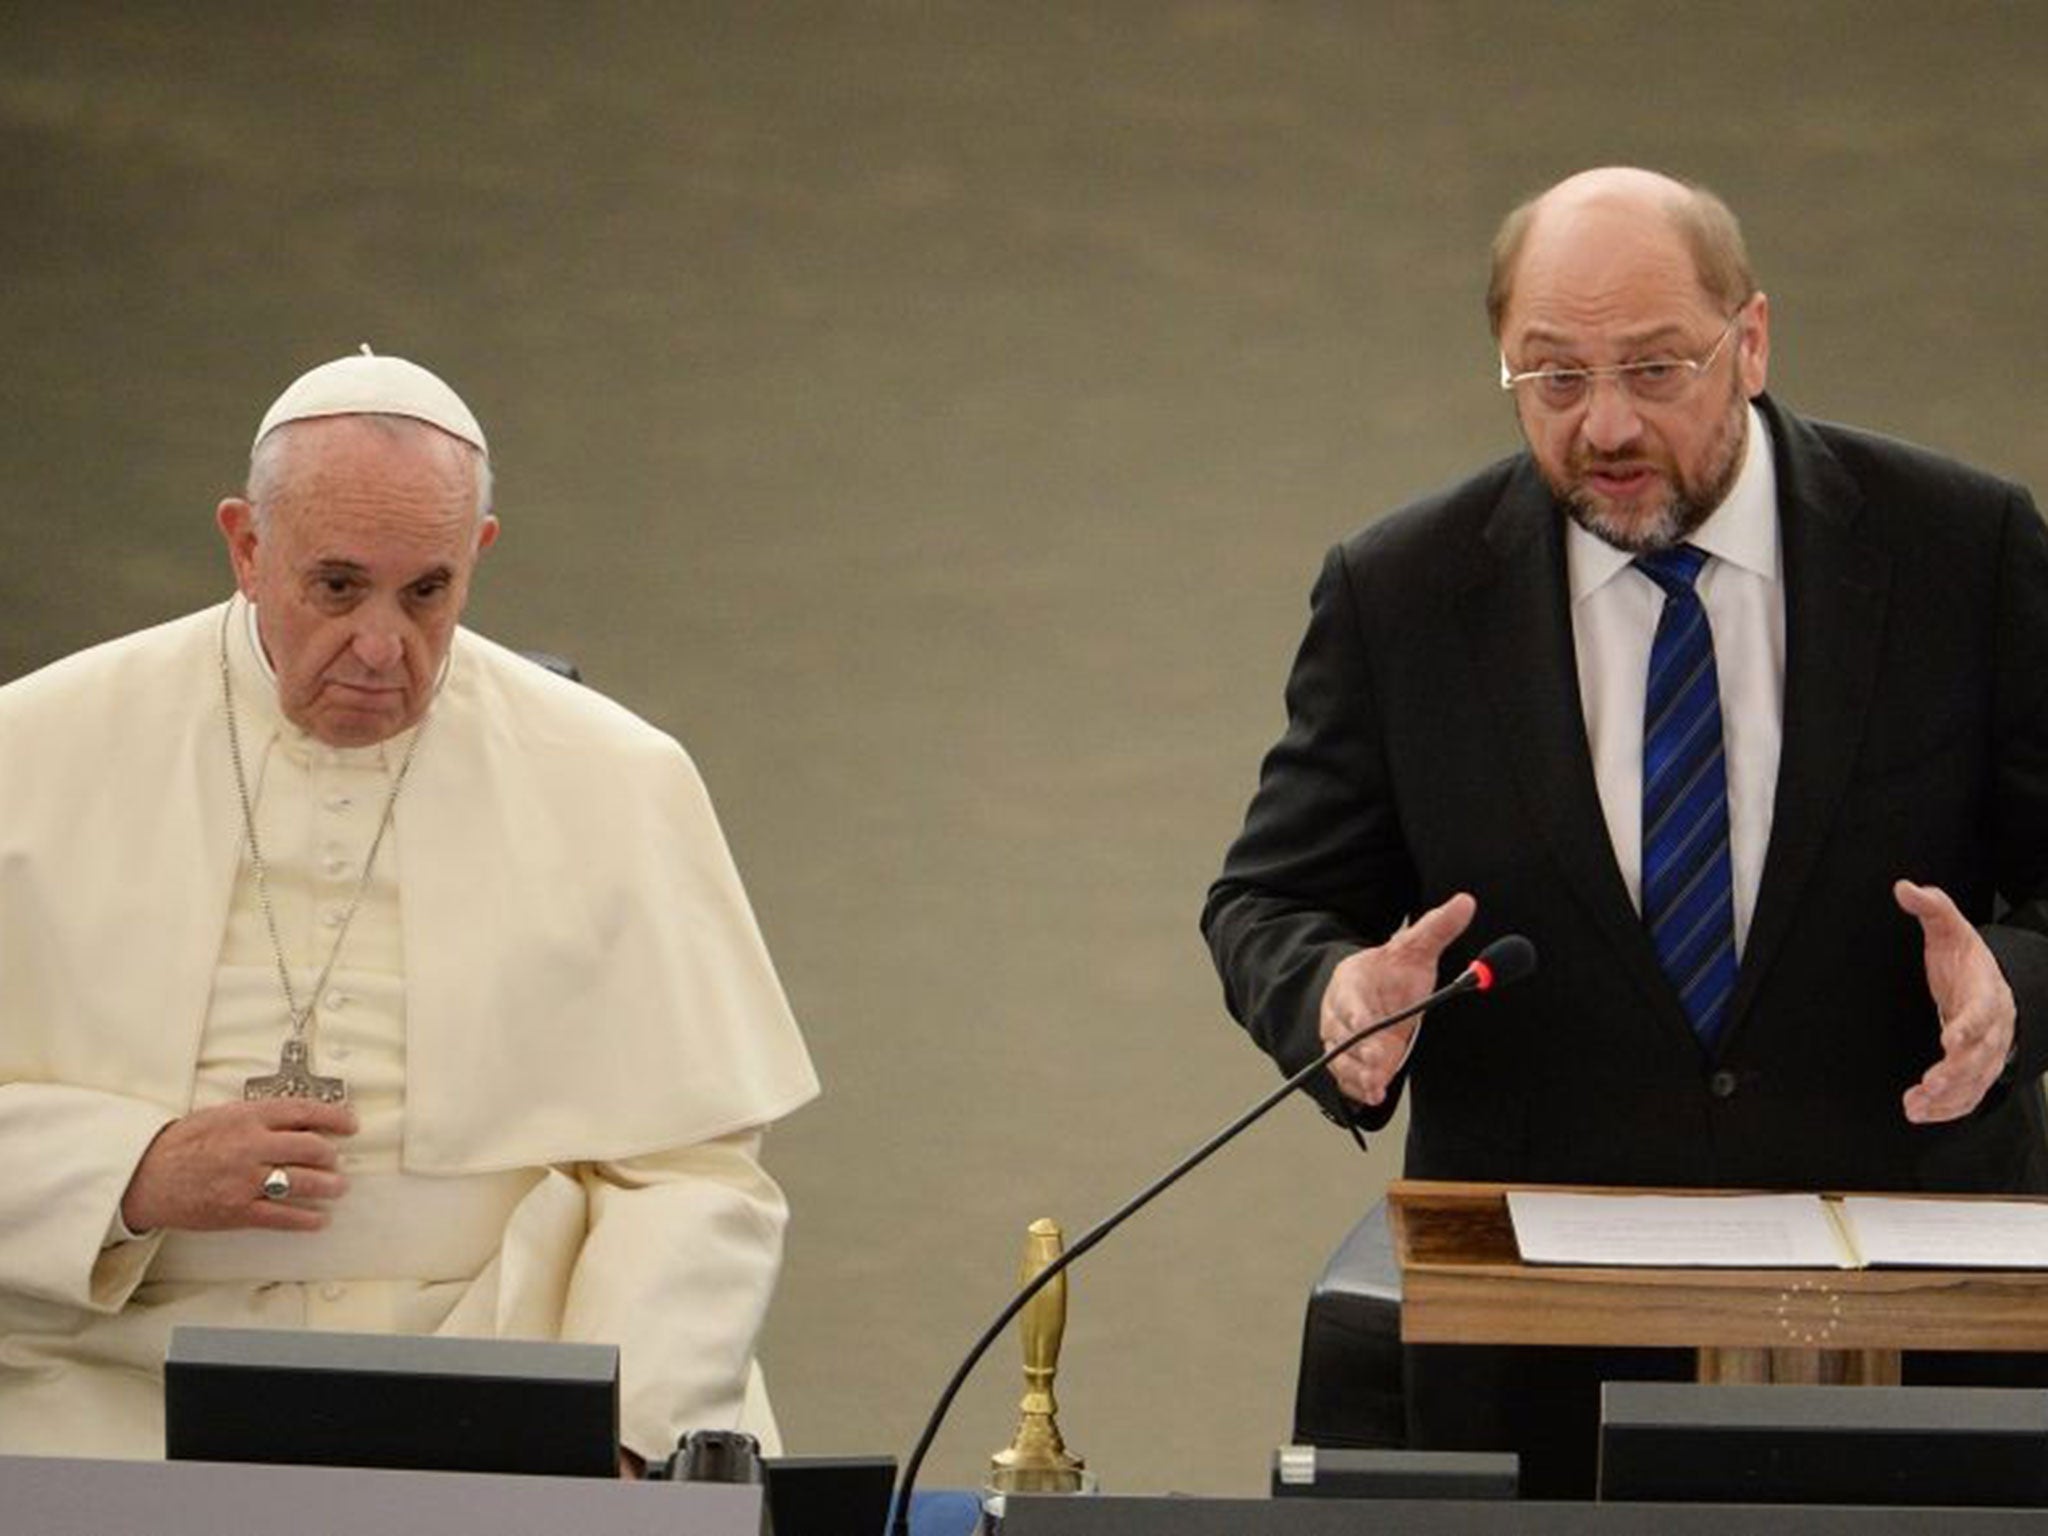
(206, 1171)
(1376, 983)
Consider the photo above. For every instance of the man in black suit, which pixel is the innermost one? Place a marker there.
(1465, 756)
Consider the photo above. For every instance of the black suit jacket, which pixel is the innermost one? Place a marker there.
(1435, 744)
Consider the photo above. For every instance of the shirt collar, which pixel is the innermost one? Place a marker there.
(1742, 531)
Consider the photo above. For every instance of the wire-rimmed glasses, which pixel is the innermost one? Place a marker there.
(1652, 380)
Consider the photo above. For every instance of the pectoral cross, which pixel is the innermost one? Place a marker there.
(295, 1079)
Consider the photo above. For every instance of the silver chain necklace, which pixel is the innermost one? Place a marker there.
(295, 1077)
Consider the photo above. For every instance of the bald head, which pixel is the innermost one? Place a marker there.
(1580, 213)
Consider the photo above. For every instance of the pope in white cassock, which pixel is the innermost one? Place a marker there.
(357, 973)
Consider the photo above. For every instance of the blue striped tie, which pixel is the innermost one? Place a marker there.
(1687, 886)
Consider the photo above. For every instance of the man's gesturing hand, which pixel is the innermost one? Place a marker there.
(1374, 983)
(1977, 1009)
(205, 1172)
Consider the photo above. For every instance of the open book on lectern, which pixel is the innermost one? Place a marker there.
(1732, 1231)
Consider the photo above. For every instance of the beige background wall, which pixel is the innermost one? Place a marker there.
(933, 414)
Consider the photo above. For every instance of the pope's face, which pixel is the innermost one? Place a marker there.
(1602, 286)
(359, 563)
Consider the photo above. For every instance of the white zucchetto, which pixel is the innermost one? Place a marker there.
(367, 384)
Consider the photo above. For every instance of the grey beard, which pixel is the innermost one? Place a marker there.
(1673, 523)
(1680, 517)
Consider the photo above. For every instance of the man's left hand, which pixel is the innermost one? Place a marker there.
(1976, 1005)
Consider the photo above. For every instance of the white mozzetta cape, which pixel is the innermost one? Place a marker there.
(584, 978)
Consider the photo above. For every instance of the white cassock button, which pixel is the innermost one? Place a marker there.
(338, 803)
(331, 917)
(335, 1001)
(333, 1290)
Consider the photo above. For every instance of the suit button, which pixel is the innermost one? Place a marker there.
(1722, 1084)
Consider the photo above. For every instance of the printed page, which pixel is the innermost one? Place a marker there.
(1676, 1231)
(1949, 1234)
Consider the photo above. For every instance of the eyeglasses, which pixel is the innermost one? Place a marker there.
(1654, 380)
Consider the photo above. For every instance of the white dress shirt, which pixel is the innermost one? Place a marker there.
(1615, 609)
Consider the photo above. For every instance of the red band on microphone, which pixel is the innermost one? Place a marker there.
(1482, 975)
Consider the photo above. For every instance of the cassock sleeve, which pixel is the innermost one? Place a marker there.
(69, 1153)
(677, 1266)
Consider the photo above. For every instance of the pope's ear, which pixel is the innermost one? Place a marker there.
(236, 520)
(486, 533)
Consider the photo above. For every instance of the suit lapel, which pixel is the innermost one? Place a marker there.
(1516, 614)
(1837, 584)
(1515, 611)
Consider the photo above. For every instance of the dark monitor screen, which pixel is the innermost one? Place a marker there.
(829, 1495)
(391, 1400)
(1674, 1442)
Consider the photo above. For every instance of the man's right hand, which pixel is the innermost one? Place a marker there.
(1375, 983)
(206, 1171)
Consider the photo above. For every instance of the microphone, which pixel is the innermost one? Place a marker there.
(1507, 959)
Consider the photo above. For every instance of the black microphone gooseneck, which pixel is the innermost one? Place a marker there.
(1507, 959)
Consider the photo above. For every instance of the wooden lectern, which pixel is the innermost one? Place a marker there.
(1463, 1282)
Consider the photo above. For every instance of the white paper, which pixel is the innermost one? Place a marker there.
(1679, 1231)
(1949, 1234)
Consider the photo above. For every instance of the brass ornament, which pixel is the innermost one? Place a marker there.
(1037, 1460)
